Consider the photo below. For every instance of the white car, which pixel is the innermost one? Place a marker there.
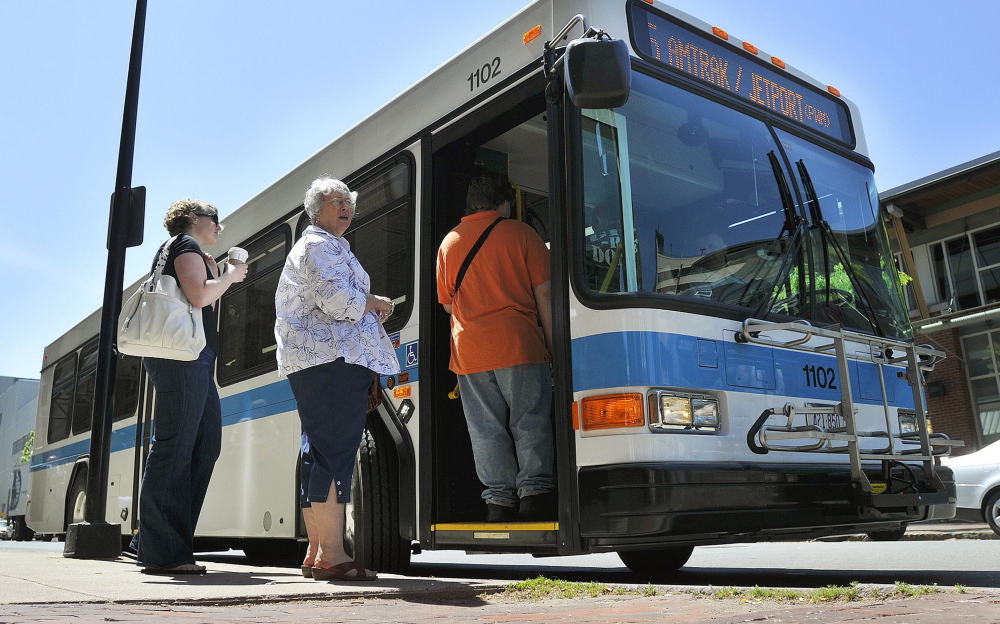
(6, 529)
(977, 484)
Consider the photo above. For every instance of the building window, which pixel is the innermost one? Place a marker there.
(967, 268)
(18, 447)
(982, 352)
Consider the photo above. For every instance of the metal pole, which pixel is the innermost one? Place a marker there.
(96, 539)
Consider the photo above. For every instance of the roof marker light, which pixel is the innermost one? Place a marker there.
(718, 32)
(749, 47)
(648, 1)
(531, 34)
(777, 61)
(833, 90)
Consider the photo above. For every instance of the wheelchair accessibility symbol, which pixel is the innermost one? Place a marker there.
(411, 354)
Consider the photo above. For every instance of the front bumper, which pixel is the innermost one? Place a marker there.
(632, 504)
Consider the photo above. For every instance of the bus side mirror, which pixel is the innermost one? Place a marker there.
(597, 72)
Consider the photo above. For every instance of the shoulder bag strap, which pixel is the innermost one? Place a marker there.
(473, 252)
(161, 262)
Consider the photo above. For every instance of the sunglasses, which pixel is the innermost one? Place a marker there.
(213, 216)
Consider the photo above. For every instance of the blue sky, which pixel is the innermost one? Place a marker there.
(235, 94)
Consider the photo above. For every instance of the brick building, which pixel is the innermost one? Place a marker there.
(945, 229)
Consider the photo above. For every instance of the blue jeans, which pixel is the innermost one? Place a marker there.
(187, 439)
(513, 455)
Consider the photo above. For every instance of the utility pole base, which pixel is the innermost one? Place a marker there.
(85, 540)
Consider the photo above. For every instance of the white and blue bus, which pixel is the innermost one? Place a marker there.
(733, 361)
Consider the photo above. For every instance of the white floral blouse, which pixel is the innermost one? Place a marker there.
(320, 304)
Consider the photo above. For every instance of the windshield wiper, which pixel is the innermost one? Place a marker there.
(793, 226)
(827, 239)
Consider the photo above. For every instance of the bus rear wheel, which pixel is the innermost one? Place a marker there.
(76, 501)
(656, 562)
(371, 530)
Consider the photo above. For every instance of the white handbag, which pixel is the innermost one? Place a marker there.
(158, 321)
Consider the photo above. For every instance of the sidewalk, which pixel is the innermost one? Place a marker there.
(949, 529)
(33, 577)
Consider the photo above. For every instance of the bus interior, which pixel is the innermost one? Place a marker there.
(514, 141)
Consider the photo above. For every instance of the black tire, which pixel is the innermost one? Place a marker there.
(991, 511)
(371, 530)
(656, 562)
(21, 531)
(889, 535)
(76, 500)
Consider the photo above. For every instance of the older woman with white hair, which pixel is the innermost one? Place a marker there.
(331, 344)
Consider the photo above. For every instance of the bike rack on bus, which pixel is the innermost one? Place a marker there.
(894, 449)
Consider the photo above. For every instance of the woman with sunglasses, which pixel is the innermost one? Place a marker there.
(187, 434)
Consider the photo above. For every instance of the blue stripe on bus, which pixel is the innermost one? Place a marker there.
(261, 402)
(606, 361)
(121, 439)
(642, 358)
(274, 398)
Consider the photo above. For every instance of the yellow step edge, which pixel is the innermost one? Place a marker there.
(496, 526)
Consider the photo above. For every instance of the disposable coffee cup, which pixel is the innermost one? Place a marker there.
(237, 255)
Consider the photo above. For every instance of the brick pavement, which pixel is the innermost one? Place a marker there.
(980, 608)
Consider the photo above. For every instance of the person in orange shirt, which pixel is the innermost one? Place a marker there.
(501, 337)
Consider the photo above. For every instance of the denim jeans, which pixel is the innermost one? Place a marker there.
(186, 441)
(513, 454)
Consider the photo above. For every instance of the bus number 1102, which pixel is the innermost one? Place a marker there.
(484, 74)
(820, 377)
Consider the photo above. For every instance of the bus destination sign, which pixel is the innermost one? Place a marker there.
(667, 43)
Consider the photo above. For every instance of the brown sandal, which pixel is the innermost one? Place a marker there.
(307, 571)
(340, 573)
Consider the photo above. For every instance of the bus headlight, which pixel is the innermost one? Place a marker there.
(673, 411)
(907, 421)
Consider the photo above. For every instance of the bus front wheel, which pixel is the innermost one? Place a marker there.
(656, 562)
(371, 530)
(888, 535)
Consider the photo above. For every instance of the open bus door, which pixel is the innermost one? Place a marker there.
(508, 135)
(521, 133)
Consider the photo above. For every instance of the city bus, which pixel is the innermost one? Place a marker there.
(732, 357)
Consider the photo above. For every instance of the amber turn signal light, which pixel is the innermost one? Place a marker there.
(612, 411)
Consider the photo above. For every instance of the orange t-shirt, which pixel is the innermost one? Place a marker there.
(494, 319)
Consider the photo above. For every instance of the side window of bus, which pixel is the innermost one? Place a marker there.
(61, 406)
(86, 383)
(246, 318)
(126, 397)
(382, 235)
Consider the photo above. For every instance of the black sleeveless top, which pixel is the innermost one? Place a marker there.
(185, 244)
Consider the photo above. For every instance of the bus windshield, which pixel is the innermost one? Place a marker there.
(687, 198)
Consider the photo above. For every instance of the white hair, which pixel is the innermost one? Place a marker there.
(320, 188)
